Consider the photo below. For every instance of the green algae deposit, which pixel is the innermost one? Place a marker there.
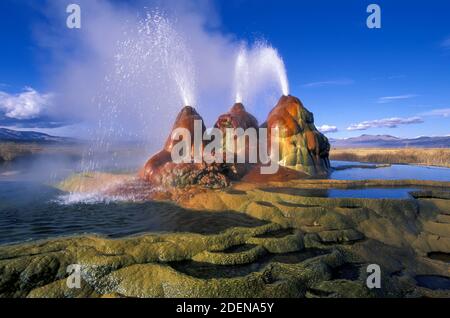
(308, 247)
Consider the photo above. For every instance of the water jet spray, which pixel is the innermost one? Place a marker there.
(267, 60)
(241, 75)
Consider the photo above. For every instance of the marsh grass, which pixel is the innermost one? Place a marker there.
(10, 150)
(421, 156)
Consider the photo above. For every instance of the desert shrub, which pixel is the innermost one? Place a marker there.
(10, 151)
(425, 156)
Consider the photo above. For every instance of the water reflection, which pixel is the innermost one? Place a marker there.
(28, 213)
(393, 172)
(28, 210)
(374, 193)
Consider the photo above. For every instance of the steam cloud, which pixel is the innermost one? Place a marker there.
(112, 75)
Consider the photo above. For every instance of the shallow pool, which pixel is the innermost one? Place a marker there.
(369, 193)
(393, 172)
(28, 211)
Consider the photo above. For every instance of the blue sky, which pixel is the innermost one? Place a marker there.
(394, 80)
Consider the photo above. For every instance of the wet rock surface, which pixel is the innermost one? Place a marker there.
(308, 247)
(302, 146)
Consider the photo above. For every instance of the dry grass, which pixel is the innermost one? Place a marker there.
(421, 156)
(10, 151)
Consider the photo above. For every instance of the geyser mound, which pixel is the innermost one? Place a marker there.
(160, 170)
(302, 146)
(185, 119)
(236, 117)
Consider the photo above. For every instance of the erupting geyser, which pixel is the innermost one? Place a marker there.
(175, 55)
(241, 75)
(183, 72)
(268, 61)
(256, 69)
(152, 74)
(301, 146)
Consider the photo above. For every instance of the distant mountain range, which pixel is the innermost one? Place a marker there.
(387, 141)
(30, 136)
(363, 141)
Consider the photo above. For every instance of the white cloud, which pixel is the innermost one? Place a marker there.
(443, 112)
(386, 122)
(327, 129)
(388, 99)
(329, 83)
(25, 105)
